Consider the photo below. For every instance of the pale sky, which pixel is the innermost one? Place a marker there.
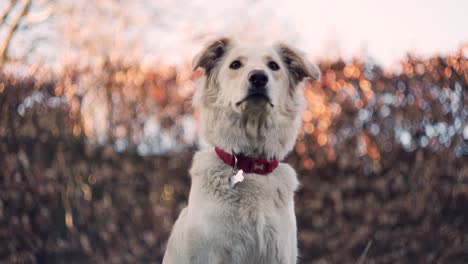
(386, 30)
(175, 29)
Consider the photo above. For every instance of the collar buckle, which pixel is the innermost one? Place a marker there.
(234, 166)
(258, 166)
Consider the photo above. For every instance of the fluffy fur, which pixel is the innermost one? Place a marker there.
(254, 221)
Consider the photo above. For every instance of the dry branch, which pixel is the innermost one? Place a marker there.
(39, 17)
(12, 29)
(7, 11)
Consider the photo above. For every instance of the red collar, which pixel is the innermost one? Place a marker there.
(248, 165)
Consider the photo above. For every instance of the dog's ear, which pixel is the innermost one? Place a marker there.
(210, 55)
(298, 65)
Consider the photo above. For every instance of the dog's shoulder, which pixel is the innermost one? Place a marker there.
(205, 163)
(288, 176)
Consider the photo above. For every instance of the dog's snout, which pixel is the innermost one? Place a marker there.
(258, 78)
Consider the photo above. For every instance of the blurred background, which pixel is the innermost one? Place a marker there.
(97, 130)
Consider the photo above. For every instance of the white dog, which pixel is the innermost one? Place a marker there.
(250, 103)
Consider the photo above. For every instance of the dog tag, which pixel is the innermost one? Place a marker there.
(236, 178)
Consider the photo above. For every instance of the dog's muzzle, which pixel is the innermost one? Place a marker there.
(258, 87)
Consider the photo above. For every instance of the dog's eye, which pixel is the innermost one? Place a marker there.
(235, 65)
(273, 66)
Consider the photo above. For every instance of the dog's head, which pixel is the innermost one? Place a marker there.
(254, 90)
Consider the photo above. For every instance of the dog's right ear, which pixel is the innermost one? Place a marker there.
(210, 55)
(299, 67)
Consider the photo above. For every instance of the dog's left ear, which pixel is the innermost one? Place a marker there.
(298, 65)
(210, 55)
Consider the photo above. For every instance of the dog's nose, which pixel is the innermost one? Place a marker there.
(258, 78)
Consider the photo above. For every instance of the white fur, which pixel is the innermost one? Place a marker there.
(251, 223)
(254, 221)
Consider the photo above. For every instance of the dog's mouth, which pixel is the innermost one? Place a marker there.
(256, 97)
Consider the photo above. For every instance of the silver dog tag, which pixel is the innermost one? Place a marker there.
(239, 177)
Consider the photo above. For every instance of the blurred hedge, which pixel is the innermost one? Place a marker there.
(382, 159)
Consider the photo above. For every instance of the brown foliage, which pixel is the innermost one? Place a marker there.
(381, 158)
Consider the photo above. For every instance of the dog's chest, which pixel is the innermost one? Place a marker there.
(266, 195)
(252, 222)
(255, 218)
